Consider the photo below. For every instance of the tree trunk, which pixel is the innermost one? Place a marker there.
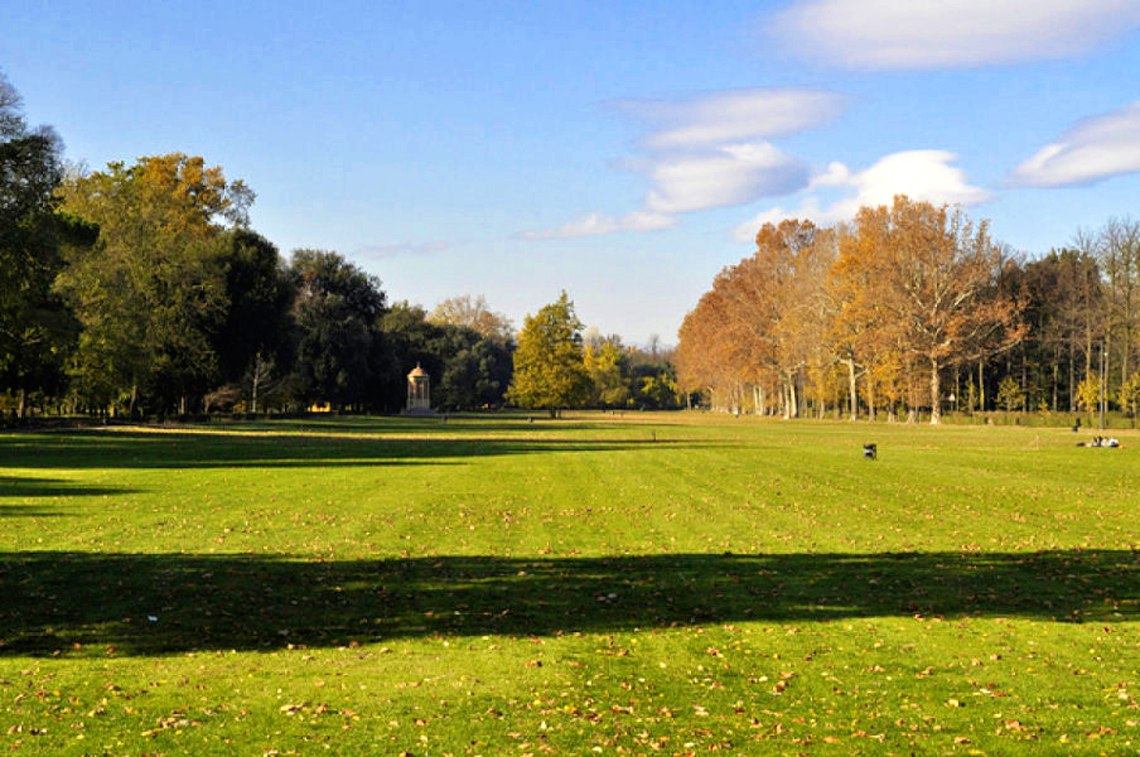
(1104, 366)
(982, 385)
(1072, 381)
(935, 393)
(957, 387)
(851, 389)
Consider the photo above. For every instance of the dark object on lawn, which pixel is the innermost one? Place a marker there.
(870, 451)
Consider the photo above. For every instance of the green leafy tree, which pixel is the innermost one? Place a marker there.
(340, 346)
(469, 368)
(549, 372)
(653, 378)
(608, 369)
(659, 391)
(36, 329)
(477, 376)
(151, 292)
(253, 340)
(1010, 395)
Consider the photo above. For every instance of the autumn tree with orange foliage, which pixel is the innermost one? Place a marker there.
(908, 288)
(762, 324)
(931, 278)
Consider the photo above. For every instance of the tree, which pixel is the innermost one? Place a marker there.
(1129, 396)
(934, 274)
(472, 313)
(607, 367)
(549, 371)
(340, 348)
(476, 375)
(1010, 395)
(714, 354)
(151, 292)
(653, 376)
(1064, 315)
(1089, 393)
(253, 339)
(37, 330)
(761, 327)
(468, 370)
(1118, 245)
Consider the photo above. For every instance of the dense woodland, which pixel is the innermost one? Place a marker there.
(914, 309)
(140, 290)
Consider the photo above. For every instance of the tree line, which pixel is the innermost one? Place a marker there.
(141, 290)
(914, 308)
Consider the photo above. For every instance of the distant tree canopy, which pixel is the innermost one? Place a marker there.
(914, 307)
(472, 313)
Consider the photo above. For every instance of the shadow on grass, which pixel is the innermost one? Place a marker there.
(208, 449)
(67, 602)
(22, 487)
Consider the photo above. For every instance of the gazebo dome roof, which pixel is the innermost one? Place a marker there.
(417, 372)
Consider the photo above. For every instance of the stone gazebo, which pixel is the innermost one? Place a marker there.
(419, 393)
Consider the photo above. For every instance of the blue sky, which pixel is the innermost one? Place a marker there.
(622, 151)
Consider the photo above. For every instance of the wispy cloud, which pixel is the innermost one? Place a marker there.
(920, 174)
(1094, 149)
(733, 175)
(712, 151)
(599, 224)
(926, 34)
(736, 116)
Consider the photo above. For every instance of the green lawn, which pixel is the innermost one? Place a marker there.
(596, 585)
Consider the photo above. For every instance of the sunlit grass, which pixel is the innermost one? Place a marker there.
(642, 582)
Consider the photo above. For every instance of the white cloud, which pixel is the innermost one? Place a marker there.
(599, 224)
(920, 174)
(733, 175)
(711, 151)
(925, 34)
(737, 116)
(1094, 149)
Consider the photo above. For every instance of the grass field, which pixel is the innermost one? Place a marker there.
(597, 585)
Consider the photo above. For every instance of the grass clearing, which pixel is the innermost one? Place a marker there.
(673, 583)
